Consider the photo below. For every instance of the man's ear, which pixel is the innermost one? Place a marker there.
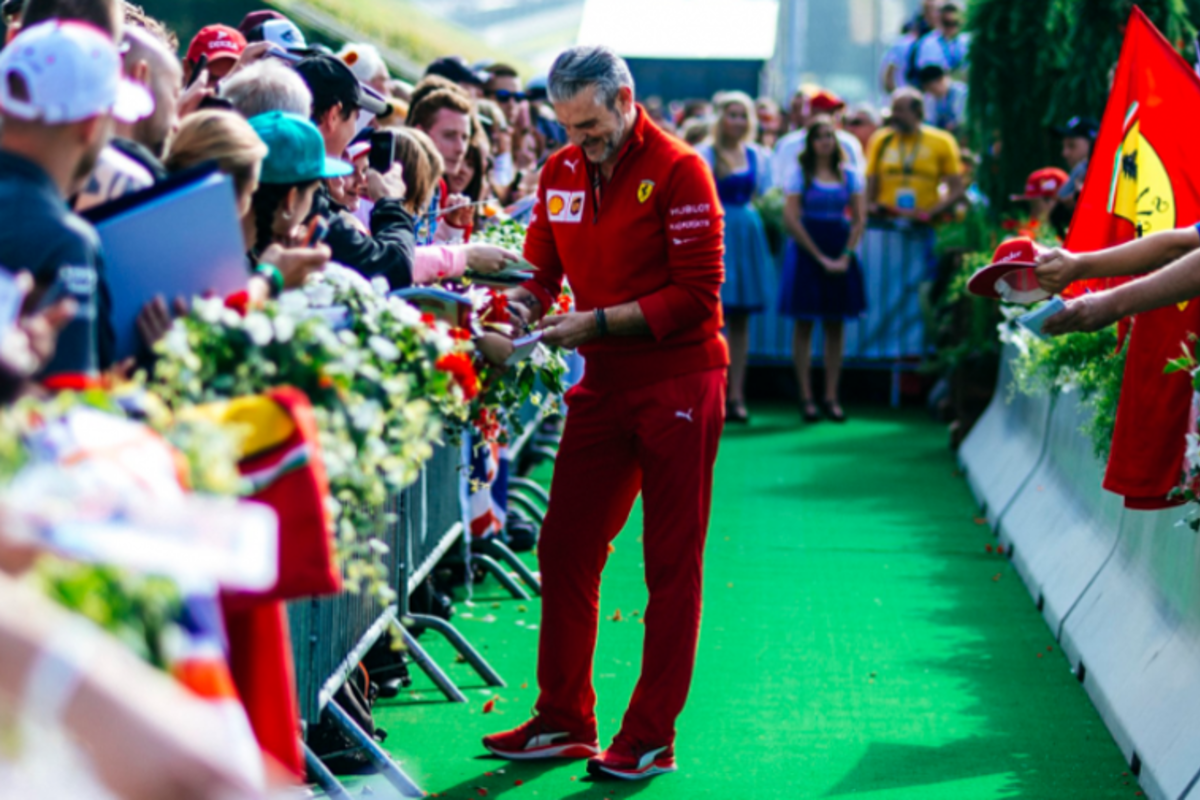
(89, 129)
(141, 72)
(331, 117)
(625, 98)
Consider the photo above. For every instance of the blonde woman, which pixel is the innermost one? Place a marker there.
(743, 171)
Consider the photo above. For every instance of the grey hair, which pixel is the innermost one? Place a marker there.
(583, 66)
(265, 86)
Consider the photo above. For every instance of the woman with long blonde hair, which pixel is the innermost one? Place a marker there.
(743, 171)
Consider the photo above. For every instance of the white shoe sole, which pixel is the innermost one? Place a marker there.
(559, 751)
(650, 772)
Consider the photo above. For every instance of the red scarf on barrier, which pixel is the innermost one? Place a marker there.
(282, 459)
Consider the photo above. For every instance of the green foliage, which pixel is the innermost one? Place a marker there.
(1089, 363)
(1037, 63)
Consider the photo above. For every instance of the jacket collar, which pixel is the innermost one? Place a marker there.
(13, 163)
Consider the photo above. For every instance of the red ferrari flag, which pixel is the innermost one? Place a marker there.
(1144, 176)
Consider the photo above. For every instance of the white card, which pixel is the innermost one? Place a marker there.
(523, 347)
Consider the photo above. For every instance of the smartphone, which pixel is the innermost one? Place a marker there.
(201, 65)
(383, 151)
(318, 229)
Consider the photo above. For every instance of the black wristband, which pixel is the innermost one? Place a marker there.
(601, 322)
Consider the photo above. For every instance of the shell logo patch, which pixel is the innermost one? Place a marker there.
(564, 206)
(645, 190)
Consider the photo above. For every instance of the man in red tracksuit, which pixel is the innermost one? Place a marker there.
(629, 215)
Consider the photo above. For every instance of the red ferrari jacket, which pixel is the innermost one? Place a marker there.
(652, 234)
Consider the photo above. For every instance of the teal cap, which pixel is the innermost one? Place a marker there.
(296, 150)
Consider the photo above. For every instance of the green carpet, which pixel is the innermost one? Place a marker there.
(858, 642)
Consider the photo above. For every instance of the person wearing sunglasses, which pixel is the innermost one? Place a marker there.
(861, 121)
(947, 46)
(504, 88)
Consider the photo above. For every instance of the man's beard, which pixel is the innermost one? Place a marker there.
(612, 143)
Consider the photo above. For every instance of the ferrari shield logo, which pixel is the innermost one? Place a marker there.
(645, 190)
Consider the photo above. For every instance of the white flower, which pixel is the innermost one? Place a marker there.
(384, 348)
(380, 285)
(347, 338)
(320, 294)
(285, 328)
(540, 356)
(258, 327)
(209, 309)
(404, 312)
(1193, 452)
(176, 341)
(230, 318)
(293, 302)
(366, 415)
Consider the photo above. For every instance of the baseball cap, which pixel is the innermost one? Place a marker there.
(284, 34)
(1083, 127)
(328, 77)
(824, 101)
(538, 88)
(217, 42)
(59, 72)
(363, 60)
(256, 18)
(1010, 276)
(295, 150)
(456, 69)
(1043, 183)
(360, 145)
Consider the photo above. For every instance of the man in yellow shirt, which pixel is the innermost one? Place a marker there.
(914, 171)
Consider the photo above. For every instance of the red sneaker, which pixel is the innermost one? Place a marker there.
(535, 740)
(632, 762)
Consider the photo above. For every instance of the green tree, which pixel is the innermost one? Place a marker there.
(1036, 64)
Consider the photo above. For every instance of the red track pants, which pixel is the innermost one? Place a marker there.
(662, 440)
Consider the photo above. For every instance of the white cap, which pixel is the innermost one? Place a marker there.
(363, 60)
(59, 72)
(284, 34)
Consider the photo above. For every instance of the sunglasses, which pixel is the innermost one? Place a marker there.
(857, 122)
(504, 95)
(951, 22)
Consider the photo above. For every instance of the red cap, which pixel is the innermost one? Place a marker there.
(216, 42)
(825, 102)
(1010, 276)
(1043, 183)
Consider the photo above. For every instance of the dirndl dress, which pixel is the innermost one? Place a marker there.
(749, 267)
(807, 291)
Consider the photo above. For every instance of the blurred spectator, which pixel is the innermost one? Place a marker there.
(267, 85)
(107, 15)
(526, 159)
(825, 213)
(945, 98)
(500, 137)
(695, 131)
(1041, 192)
(456, 70)
(220, 47)
(1078, 136)
(798, 110)
(255, 19)
(658, 112)
(697, 108)
(504, 88)
(136, 17)
(388, 251)
(239, 152)
(947, 46)
(445, 116)
(131, 161)
(742, 170)
(861, 121)
(367, 65)
(770, 122)
(57, 119)
(787, 151)
(284, 37)
(423, 168)
(893, 70)
(11, 11)
(348, 193)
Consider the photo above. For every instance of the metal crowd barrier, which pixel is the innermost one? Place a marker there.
(895, 261)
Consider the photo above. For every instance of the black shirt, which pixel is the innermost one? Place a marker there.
(142, 155)
(62, 252)
(388, 252)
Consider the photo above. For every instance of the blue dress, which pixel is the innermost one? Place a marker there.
(748, 262)
(807, 291)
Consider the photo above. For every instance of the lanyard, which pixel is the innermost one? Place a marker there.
(953, 55)
(908, 159)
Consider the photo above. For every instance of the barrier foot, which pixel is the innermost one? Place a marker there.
(459, 642)
(386, 766)
(501, 551)
(519, 501)
(324, 778)
(533, 487)
(506, 580)
(430, 668)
